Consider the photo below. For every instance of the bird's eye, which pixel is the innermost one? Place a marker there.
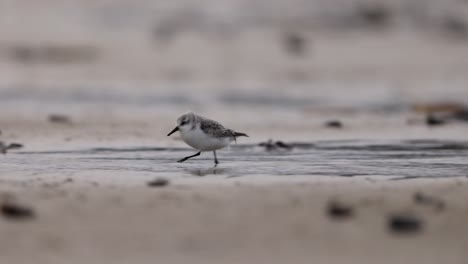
(183, 123)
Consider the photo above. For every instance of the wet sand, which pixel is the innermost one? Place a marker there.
(92, 203)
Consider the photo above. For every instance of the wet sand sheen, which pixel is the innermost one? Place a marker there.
(397, 159)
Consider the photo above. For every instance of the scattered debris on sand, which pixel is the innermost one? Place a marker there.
(68, 180)
(373, 15)
(437, 107)
(455, 26)
(271, 145)
(14, 211)
(433, 120)
(404, 224)
(295, 44)
(461, 115)
(334, 124)
(59, 119)
(53, 53)
(338, 210)
(424, 199)
(158, 182)
(4, 147)
(440, 113)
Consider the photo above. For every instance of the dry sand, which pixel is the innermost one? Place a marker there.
(236, 222)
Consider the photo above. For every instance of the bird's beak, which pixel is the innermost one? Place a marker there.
(173, 131)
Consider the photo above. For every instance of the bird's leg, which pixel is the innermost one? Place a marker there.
(215, 158)
(188, 157)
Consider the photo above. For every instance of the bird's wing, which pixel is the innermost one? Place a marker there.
(215, 129)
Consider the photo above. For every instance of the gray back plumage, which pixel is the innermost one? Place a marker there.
(210, 127)
(214, 128)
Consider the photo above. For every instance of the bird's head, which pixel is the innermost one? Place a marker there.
(184, 123)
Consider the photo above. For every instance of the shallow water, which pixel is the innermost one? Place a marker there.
(391, 159)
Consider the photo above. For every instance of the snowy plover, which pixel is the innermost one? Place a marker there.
(204, 134)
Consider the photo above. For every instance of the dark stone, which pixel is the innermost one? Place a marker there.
(404, 224)
(456, 26)
(432, 120)
(374, 15)
(15, 146)
(4, 148)
(159, 182)
(423, 199)
(295, 44)
(334, 124)
(68, 180)
(56, 118)
(16, 212)
(339, 211)
(271, 145)
(23, 54)
(281, 144)
(53, 53)
(461, 115)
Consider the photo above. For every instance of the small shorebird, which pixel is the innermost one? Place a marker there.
(204, 134)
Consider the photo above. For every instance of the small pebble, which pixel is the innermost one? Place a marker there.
(456, 26)
(424, 199)
(374, 15)
(4, 147)
(56, 118)
(295, 44)
(159, 182)
(271, 145)
(461, 115)
(15, 146)
(404, 224)
(339, 211)
(68, 180)
(16, 212)
(334, 124)
(281, 144)
(432, 120)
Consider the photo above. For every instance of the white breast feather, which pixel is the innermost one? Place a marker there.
(201, 141)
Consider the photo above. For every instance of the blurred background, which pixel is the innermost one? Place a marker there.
(273, 67)
(342, 100)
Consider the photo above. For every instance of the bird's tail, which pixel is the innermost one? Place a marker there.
(240, 134)
(237, 134)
